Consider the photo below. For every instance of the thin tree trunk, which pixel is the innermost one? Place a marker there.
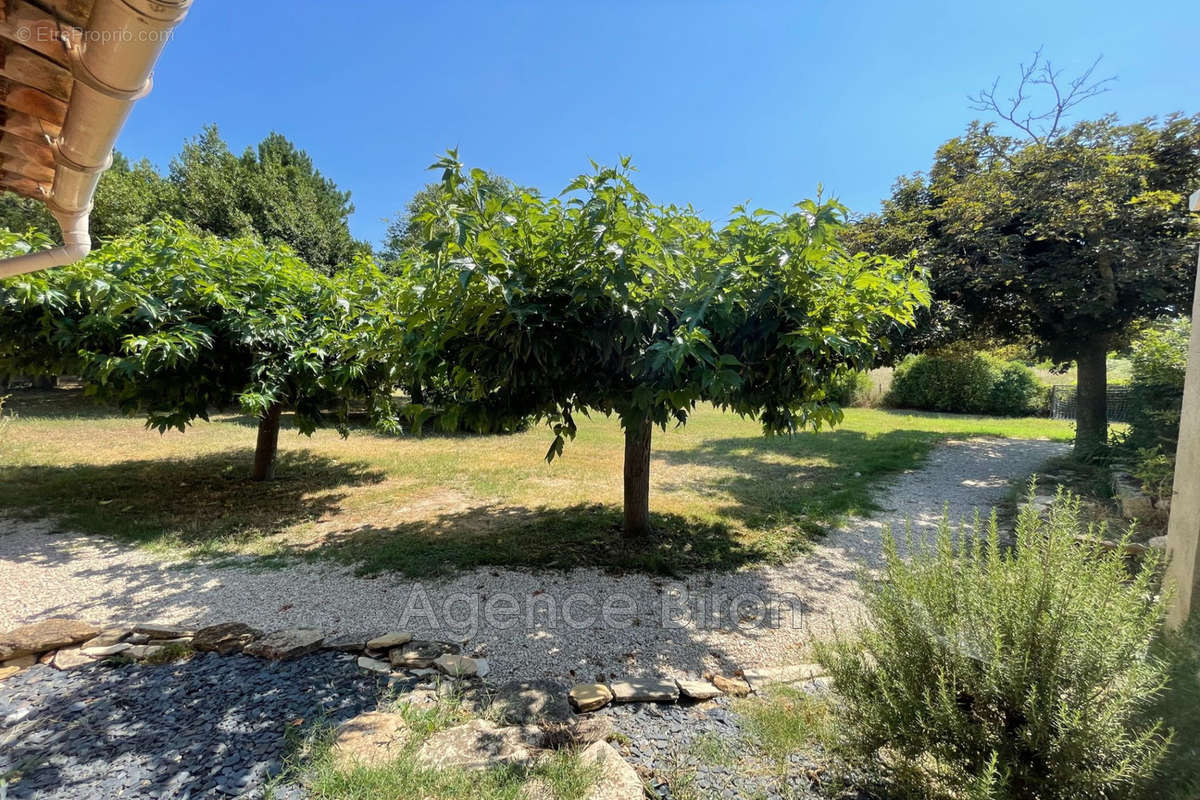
(416, 392)
(1091, 400)
(637, 480)
(268, 444)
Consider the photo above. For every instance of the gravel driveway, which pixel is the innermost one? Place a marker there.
(551, 624)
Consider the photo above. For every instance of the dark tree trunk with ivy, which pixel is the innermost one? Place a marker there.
(268, 444)
(637, 479)
(1091, 398)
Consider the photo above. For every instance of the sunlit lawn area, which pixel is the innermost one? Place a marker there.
(722, 494)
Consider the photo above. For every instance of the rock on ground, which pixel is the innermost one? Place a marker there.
(370, 739)
(49, 634)
(618, 780)
(478, 744)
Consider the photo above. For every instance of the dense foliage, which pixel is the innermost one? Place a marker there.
(602, 301)
(169, 324)
(965, 381)
(1067, 241)
(1159, 357)
(273, 192)
(1001, 674)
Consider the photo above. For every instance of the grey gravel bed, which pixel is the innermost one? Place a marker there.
(47, 572)
(211, 726)
(662, 743)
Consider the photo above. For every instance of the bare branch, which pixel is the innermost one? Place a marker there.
(1040, 77)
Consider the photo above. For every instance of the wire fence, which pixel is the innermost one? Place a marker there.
(1063, 403)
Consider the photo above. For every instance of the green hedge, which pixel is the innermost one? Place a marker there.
(1156, 388)
(1156, 398)
(966, 383)
(850, 388)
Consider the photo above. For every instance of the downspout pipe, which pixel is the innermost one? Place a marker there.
(111, 61)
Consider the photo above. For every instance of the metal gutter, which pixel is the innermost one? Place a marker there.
(111, 61)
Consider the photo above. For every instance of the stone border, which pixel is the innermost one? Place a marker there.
(64, 643)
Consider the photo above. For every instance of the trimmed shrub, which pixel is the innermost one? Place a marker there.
(1159, 357)
(966, 383)
(1011, 675)
(1159, 361)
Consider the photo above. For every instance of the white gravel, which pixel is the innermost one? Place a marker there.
(527, 624)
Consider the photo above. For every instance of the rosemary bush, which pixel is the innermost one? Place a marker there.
(986, 672)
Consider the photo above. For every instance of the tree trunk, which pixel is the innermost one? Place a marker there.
(416, 392)
(1091, 398)
(637, 480)
(268, 443)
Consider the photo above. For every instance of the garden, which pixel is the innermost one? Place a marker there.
(582, 495)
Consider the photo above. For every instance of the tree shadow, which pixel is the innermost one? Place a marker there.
(828, 475)
(585, 534)
(206, 502)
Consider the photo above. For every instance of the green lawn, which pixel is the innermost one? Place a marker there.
(723, 495)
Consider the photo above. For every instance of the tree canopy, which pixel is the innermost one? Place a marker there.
(169, 324)
(602, 301)
(1065, 241)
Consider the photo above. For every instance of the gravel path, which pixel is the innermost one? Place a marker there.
(556, 628)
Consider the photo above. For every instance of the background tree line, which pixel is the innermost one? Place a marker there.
(272, 192)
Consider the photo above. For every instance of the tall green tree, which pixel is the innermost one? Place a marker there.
(602, 301)
(273, 191)
(1066, 242)
(1063, 235)
(170, 324)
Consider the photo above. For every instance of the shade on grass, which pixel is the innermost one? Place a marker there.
(724, 495)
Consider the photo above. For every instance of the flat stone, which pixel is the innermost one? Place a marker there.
(110, 650)
(697, 690)
(138, 638)
(371, 739)
(389, 640)
(49, 634)
(21, 662)
(69, 657)
(8, 672)
(420, 654)
(793, 673)
(374, 665)
(1157, 542)
(225, 638)
(525, 702)
(353, 642)
(731, 686)
(284, 644)
(478, 744)
(140, 651)
(455, 666)
(618, 780)
(162, 631)
(578, 732)
(644, 690)
(586, 697)
(108, 637)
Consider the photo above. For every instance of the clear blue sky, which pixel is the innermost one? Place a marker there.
(718, 103)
